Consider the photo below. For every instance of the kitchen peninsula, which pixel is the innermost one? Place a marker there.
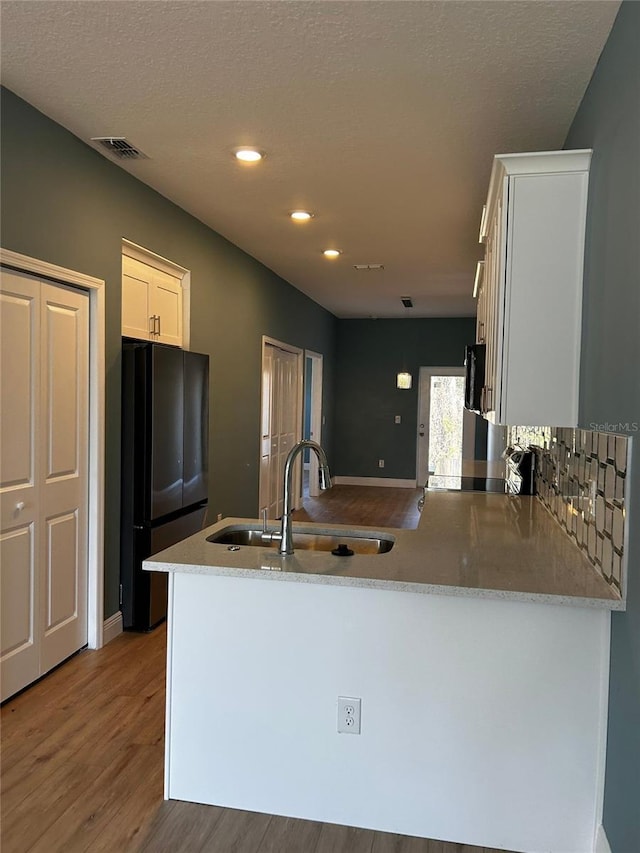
(479, 648)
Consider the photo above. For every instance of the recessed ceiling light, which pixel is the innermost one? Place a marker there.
(301, 215)
(331, 253)
(248, 155)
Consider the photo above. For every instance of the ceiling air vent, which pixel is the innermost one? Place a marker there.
(119, 147)
(406, 301)
(368, 266)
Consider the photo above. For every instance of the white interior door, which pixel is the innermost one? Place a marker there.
(446, 430)
(44, 476)
(20, 393)
(64, 435)
(281, 422)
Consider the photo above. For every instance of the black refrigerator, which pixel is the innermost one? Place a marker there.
(165, 428)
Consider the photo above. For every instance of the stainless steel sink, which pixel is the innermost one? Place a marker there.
(306, 540)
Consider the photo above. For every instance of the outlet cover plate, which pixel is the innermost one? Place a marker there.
(349, 713)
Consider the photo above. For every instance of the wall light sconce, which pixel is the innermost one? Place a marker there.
(404, 381)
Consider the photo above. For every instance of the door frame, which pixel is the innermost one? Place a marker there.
(95, 509)
(424, 399)
(315, 408)
(299, 353)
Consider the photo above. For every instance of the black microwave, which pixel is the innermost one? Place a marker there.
(474, 362)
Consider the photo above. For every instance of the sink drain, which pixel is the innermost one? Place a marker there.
(342, 551)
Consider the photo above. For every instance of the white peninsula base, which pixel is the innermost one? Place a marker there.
(483, 720)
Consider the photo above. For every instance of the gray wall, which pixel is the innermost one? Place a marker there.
(608, 121)
(369, 355)
(64, 203)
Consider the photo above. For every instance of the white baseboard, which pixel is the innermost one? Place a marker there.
(112, 627)
(602, 842)
(375, 481)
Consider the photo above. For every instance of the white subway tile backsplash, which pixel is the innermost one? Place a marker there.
(603, 444)
(617, 533)
(616, 569)
(569, 467)
(621, 454)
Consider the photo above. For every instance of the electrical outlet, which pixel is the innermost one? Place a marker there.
(219, 517)
(380, 463)
(398, 419)
(349, 715)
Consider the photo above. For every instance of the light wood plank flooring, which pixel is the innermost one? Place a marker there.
(82, 756)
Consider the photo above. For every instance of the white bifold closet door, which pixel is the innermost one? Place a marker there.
(44, 441)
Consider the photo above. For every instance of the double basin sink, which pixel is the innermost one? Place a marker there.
(345, 544)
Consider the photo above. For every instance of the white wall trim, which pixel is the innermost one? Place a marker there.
(602, 842)
(112, 627)
(146, 256)
(95, 545)
(375, 481)
(605, 648)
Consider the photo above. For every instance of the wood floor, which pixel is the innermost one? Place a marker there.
(372, 506)
(82, 761)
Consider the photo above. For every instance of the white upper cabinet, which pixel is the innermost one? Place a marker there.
(151, 302)
(530, 295)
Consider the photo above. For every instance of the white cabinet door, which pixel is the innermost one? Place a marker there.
(166, 305)
(136, 312)
(43, 475)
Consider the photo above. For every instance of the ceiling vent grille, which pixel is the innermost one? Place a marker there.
(407, 302)
(119, 147)
(368, 266)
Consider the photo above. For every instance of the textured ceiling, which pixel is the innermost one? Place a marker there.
(381, 117)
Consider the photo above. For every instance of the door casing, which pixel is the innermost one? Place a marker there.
(316, 417)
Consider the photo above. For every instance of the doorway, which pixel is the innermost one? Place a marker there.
(281, 422)
(446, 430)
(312, 420)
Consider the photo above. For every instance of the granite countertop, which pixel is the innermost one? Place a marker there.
(466, 544)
